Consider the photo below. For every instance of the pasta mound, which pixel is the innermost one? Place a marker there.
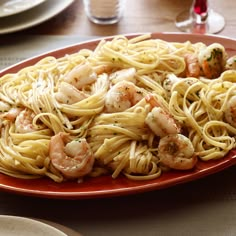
(121, 141)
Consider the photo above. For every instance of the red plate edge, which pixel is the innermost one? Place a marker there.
(105, 186)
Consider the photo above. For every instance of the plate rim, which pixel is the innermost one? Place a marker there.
(23, 9)
(43, 16)
(221, 164)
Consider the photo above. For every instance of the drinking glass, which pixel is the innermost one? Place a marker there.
(104, 12)
(200, 19)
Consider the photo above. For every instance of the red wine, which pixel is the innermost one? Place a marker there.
(200, 7)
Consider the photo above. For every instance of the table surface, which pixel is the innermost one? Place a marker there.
(139, 16)
(203, 207)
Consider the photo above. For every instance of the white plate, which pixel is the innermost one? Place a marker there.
(11, 7)
(35, 16)
(17, 226)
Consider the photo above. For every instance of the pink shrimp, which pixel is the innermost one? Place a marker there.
(24, 122)
(192, 65)
(159, 120)
(12, 113)
(73, 158)
(23, 119)
(69, 94)
(122, 96)
(210, 62)
(231, 63)
(81, 75)
(177, 152)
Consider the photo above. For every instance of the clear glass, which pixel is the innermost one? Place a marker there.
(200, 19)
(104, 12)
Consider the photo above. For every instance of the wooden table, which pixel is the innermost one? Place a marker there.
(139, 16)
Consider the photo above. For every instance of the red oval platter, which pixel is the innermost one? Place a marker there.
(105, 186)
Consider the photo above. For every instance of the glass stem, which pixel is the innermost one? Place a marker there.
(199, 11)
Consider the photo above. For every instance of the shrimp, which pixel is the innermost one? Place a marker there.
(231, 63)
(73, 158)
(24, 122)
(125, 74)
(81, 75)
(230, 111)
(69, 94)
(23, 119)
(169, 81)
(100, 69)
(177, 152)
(172, 79)
(12, 113)
(122, 96)
(210, 62)
(192, 65)
(9, 112)
(159, 120)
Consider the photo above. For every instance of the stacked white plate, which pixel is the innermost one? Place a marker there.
(16, 15)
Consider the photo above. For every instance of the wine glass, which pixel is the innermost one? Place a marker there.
(200, 19)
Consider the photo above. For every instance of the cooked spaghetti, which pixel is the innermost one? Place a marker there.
(135, 107)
